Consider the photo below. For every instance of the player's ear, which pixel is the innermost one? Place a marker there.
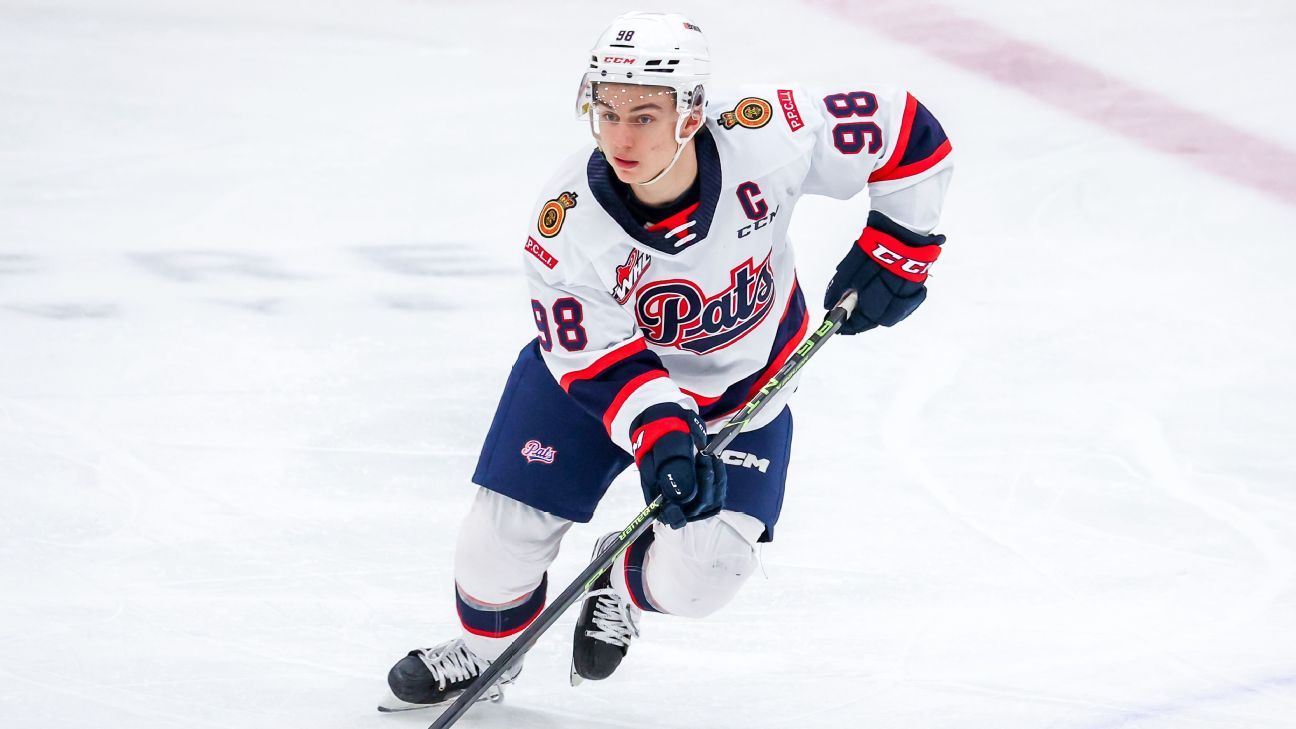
(695, 120)
(697, 115)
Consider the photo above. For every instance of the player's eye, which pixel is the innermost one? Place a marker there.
(608, 117)
(644, 119)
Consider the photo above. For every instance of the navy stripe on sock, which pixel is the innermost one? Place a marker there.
(500, 621)
(634, 578)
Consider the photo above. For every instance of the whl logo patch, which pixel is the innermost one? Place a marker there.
(677, 313)
(628, 274)
(536, 453)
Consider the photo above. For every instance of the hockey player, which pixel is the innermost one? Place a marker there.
(665, 294)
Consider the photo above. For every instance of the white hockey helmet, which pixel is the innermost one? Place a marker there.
(651, 49)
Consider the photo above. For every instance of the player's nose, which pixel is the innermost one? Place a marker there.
(619, 136)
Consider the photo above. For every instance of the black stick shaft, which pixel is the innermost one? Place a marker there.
(642, 521)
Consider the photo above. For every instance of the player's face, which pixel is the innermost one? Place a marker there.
(636, 128)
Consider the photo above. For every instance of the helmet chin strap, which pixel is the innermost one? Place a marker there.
(678, 151)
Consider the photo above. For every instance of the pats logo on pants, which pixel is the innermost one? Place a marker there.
(677, 313)
(533, 451)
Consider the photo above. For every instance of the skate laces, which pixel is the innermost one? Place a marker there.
(450, 662)
(614, 617)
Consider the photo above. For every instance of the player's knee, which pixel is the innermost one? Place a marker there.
(505, 546)
(702, 571)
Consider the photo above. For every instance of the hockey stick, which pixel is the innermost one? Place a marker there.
(570, 596)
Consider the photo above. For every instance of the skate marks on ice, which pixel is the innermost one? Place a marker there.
(1154, 459)
(1134, 439)
(513, 714)
(393, 276)
(68, 311)
(107, 508)
(446, 260)
(1254, 567)
(1219, 706)
(1260, 703)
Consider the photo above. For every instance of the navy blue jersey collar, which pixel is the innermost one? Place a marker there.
(598, 172)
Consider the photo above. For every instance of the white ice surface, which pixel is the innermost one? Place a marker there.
(259, 289)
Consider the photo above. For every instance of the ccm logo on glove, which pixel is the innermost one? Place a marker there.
(907, 262)
(669, 444)
(886, 268)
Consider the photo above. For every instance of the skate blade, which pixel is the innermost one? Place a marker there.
(389, 704)
(575, 678)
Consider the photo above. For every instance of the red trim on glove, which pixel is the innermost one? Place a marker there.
(906, 261)
(647, 435)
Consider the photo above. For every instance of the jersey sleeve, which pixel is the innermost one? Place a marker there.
(592, 346)
(883, 141)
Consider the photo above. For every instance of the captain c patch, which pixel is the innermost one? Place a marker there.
(553, 213)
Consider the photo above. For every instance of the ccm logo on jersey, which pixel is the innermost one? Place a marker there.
(754, 205)
(745, 460)
(539, 251)
(536, 453)
(677, 313)
(628, 274)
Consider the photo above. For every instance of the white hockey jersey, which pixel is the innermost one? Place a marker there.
(704, 307)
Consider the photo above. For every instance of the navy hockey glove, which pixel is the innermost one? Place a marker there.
(886, 267)
(668, 440)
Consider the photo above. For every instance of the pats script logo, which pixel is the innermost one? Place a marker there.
(534, 452)
(677, 313)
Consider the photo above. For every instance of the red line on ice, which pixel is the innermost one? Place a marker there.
(1143, 116)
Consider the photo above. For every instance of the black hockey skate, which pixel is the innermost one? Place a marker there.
(429, 677)
(606, 625)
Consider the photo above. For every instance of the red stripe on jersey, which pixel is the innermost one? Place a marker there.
(887, 171)
(602, 364)
(647, 436)
(914, 168)
(701, 400)
(674, 221)
(610, 414)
